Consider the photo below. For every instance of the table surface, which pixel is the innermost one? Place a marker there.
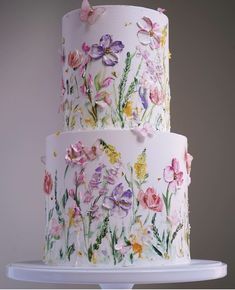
(37, 271)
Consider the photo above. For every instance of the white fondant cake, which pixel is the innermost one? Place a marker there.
(116, 182)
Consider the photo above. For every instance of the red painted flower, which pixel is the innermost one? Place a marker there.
(75, 59)
(48, 183)
(150, 199)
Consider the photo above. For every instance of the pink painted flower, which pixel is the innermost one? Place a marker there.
(78, 154)
(106, 82)
(75, 59)
(87, 196)
(150, 199)
(55, 229)
(103, 100)
(149, 33)
(71, 193)
(173, 218)
(156, 96)
(188, 159)
(79, 178)
(89, 14)
(122, 248)
(173, 175)
(85, 47)
(48, 183)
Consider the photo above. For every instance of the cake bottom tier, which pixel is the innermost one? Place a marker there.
(115, 199)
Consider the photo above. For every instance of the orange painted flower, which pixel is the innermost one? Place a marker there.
(137, 249)
(75, 59)
(48, 183)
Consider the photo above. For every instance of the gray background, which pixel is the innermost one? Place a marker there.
(202, 84)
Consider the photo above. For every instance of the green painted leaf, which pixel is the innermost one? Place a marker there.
(65, 198)
(179, 227)
(70, 251)
(131, 258)
(157, 251)
(50, 215)
(128, 243)
(61, 254)
(97, 82)
(90, 252)
(66, 170)
(154, 218)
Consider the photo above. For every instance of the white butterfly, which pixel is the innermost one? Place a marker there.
(89, 14)
(142, 132)
(161, 10)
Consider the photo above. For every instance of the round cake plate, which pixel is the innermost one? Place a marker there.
(117, 278)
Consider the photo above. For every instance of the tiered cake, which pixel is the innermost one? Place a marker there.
(116, 180)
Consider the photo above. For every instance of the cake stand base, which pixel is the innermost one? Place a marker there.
(117, 278)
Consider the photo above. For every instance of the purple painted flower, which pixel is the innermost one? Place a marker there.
(142, 94)
(107, 49)
(119, 201)
(96, 179)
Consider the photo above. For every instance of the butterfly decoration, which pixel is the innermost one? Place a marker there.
(89, 14)
(161, 10)
(142, 132)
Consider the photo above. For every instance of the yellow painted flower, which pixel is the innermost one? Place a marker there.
(164, 36)
(140, 166)
(169, 55)
(137, 249)
(112, 154)
(90, 122)
(128, 109)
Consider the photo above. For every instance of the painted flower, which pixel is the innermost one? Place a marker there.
(188, 159)
(78, 154)
(96, 179)
(137, 249)
(75, 59)
(107, 49)
(56, 228)
(150, 199)
(103, 100)
(112, 154)
(143, 97)
(48, 183)
(79, 178)
(173, 175)
(88, 196)
(140, 166)
(122, 247)
(120, 201)
(149, 33)
(156, 96)
(85, 47)
(74, 214)
(128, 109)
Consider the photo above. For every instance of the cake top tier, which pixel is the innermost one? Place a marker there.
(115, 68)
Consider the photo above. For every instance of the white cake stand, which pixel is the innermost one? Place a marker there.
(118, 278)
